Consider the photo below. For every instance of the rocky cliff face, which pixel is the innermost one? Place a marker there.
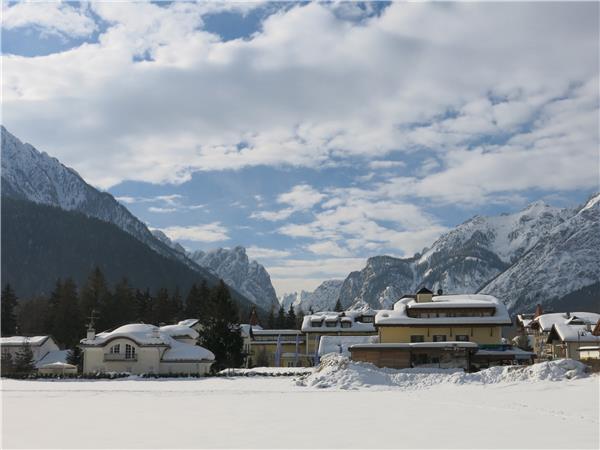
(564, 260)
(28, 174)
(323, 298)
(248, 277)
(542, 248)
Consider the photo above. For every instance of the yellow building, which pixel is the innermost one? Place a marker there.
(277, 348)
(442, 330)
(347, 323)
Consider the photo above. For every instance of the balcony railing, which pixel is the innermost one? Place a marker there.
(119, 357)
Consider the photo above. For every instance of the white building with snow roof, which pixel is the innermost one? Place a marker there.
(41, 346)
(146, 349)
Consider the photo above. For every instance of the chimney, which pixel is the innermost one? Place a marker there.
(91, 334)
(156, 332)
(440, 292)
(424, 295)
(538, 311)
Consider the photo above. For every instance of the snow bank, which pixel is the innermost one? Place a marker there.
(337, 371)
(267, 371)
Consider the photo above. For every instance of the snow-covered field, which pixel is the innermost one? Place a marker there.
(282, 412)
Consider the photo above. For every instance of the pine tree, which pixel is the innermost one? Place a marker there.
(122, 307)
(6, 364)
(271, 320)
(311, 310)
(66, 321)
(220, 329)
(192, 302)
(8, 301)
(96, 296)
(338, 306)
(291, 318)
(175, 306)
(75, 357)
(24, 364)
(299, 320)
(161, 307)
(142, 306)
(281, 322)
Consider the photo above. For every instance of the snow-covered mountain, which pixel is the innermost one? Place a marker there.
(323, 298)
(564, 260)
(498, 248)
(248, 277)
(35, 176)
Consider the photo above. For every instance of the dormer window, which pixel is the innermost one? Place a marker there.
(346, 324)
(315, 323)
(331, 323)
(367, 319)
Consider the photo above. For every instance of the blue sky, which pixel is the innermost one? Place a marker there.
(314, 134)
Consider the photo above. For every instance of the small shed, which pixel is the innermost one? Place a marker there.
(57, 368)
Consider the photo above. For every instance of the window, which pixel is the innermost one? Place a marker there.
(439, 338)
(331, 323)
(346, 324)
(315, 323)
(417, 338)
(115, 349)
(129, 351)
(366, 319)
(462, 337)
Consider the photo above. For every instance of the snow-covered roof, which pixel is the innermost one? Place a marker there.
(340, 344)
(399, 316)
(150, 335)
(188, 322)
(588, 348)
(56, 356)
(179, 331)
(546, 321)
(446, 344)
(245, 329)
(56, 365)
(573, 333)
(23, 340)
(337, 318)
(275, 332)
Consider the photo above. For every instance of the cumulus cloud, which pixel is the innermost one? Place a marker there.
(266, 253)
(53, 18)
(424, 77)
(210, 232)
(301, 198)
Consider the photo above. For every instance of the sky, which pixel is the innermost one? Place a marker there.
(314, 134)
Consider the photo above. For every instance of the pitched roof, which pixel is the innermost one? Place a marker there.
(34, 341)
(424, 290)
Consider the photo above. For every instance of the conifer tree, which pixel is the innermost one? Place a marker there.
(8, 302)
(221, 330)
(95, 295)
(66, 321)
(23, 363)
(143, 306)
(281, 322)
(192, 303)
(161, 307)
(338, 306)
(75, 357)
(175, 306)
(122, 305)
(291, 318)
(271, 320)
(6, 364)
(299, 320)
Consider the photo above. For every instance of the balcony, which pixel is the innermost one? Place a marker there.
(119, 357)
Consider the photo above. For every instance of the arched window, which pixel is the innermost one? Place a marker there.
(129, 351)
(115, 349)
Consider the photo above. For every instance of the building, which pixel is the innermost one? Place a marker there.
(542, 325)
(347, 323)
(440, 331)
(567, 338)
(341, 344)
(277, 348)
(41, 346)
(146, 349)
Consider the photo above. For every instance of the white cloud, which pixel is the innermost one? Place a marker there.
(57, 18)
(329, 248)
(386, 164)
(266, 253)
(210, 232)
(301, 198)
(457, 72)
(157, 209)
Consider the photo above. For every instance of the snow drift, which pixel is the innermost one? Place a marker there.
(336, 371)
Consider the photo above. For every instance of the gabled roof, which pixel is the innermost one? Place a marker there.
(399, 316)
(572, 333)
(546, 321)
(424, 290)
(17, 341)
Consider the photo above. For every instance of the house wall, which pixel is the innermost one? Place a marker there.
(38, 351)
(189, 368)
(148, 359)
(485, 335)
(270, 350)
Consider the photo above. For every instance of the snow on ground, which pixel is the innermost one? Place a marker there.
(275, 412)
(337, 371)
(268, 371)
